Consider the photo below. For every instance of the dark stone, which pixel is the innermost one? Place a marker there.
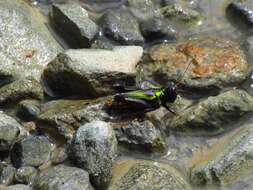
(28, 110)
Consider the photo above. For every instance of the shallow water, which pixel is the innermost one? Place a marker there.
(215, 23)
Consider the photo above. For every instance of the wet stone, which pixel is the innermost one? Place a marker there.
(7, 173)
(94, 148)
(141, 136)
(23, 152)
(147, 175)
(214, 63)
(25, 175)
(28, 110)
(10, 131)
(63, 177)
(121, 26)
(214, 113)
(242, 11)
(73, 22)
(27, 88)
(227, 162)
(66, 116)
(91, 72)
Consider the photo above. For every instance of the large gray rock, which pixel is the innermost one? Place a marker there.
(63, 177)
(27, 88)
(31, 151)
(122, 26)
(73, 22)
(147, 175)
(66, 116)
(213, 113)
(94, 149)
(10, 131)
(214, 63)
(142, 136)
(229, 161)
(25, 42)
(91, 72)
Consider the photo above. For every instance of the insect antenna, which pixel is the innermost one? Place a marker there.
(182, 76)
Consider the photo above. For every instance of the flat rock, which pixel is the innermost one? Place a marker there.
(25, 42)
(121, 26)
(63, 177)
(213, 113)
(66, 116)
(213, 63)
(91, 72)
(226, 162)
(142, 136)
(147, 175)
(73, 22)
(27, 88)
(10, 131)
(23, 152)
(94, 148)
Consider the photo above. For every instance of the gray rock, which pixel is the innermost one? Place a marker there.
(10, 131)
(27, 88)
(7, 173)
(213, 113)
(249, 46)
(16, 187)
(242, 11)
(157, 28)
(63, 177)
(25, 42)
(94, 149)
(66, 116)
(24, 152)
(91, 72)
(28, 110)
(74, 23)
(25, 175)
(121, 26)
(215, 63)
(142, 136)
(147, 175)
(181, 13)
(229, 161)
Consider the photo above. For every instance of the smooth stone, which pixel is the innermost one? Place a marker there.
(27, 88)
(64, 117)
(214, 63)
(23, 152)
(73, 22)
(91, 72)
(142, 136)
(147, 175)
(10, 131)
(121, 26)
(25, 175)
(62, 177)
(7, 173)
(214, 113)
(28, 110)
(94, 148)
(227, 162)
